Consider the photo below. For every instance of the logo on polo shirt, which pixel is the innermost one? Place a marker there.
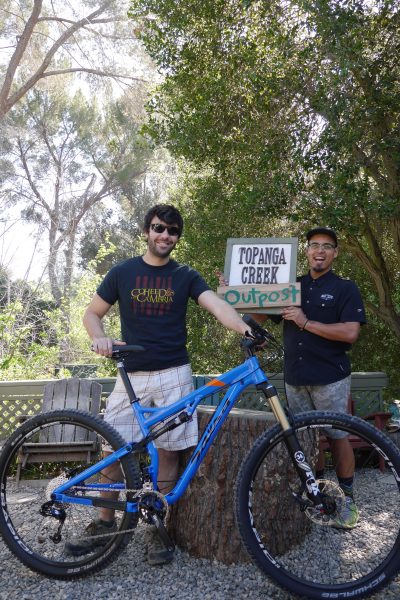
(326, 297)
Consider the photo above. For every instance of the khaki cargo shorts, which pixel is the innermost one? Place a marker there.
(333, 397)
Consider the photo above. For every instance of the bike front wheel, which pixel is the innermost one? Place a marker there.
(57, 539)
(303, 548)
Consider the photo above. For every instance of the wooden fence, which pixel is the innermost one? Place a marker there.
(25, 397)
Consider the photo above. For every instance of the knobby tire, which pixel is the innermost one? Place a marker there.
(27, 533)
(311, 558)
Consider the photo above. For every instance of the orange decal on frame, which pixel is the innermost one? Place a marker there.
(216, 382)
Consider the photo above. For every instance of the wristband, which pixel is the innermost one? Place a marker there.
(304, 326)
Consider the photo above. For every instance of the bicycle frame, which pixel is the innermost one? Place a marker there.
(236, 381)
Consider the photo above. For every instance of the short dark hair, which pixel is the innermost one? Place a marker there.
(324, 230)
(165, 212)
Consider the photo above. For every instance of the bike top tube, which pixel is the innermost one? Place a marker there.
(248, 373)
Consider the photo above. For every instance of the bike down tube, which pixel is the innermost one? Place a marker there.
(238, 378)
(209, 434)
(296, 453)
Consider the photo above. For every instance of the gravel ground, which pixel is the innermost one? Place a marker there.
(131, 577)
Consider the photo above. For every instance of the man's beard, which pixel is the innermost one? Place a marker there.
(155, 250)
(318, 268)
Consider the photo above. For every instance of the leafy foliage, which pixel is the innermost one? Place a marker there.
(294, 107)
(32, 331)
(292, 110)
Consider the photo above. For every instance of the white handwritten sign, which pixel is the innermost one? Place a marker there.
(260, 264)
(261, 273)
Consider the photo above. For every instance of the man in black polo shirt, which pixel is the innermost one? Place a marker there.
(317, 337)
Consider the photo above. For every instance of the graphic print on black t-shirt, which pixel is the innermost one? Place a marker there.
(152, 296)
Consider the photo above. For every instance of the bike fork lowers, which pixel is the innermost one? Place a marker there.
(304, 470)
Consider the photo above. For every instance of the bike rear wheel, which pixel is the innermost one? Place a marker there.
(297, 545)
(32, 466)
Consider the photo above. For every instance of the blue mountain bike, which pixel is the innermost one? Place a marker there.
(285, 516)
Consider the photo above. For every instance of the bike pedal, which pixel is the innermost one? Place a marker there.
(162, 532)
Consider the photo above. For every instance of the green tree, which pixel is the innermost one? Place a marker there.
(124, 228)
(294, 108)
(26, 329)
(32, 327)
(71, 157)
(42, 39)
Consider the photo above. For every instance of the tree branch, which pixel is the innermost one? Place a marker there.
(70, 21)
(17, 55)
(375, 265)
(370, 167)
(32, 184)
(94, 71)
(7, 103)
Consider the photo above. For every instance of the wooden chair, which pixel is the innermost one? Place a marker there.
(66, 443)
(379, 419)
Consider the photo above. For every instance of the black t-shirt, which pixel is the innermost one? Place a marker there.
(311, 359)
(153, 304)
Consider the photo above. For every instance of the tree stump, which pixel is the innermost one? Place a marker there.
(203, 521)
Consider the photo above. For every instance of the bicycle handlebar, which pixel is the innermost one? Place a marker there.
(123, 350)
(256, 340)
(256, 329)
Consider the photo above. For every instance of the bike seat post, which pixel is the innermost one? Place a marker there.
(126, 381)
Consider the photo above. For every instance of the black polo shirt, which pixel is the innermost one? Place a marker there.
(311, 359)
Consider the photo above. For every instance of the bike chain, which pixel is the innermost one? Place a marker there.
(141, 492)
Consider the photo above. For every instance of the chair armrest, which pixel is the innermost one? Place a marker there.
(379, 418)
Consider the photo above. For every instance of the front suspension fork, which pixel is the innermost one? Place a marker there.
(304, 470)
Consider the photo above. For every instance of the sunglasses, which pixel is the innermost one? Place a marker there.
(159, 228)
(325, 246)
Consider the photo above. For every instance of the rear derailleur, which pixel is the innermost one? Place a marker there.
(55, 510)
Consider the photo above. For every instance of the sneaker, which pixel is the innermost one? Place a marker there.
(157, 553)
(83, 545)
(348, 516)
(393, 425)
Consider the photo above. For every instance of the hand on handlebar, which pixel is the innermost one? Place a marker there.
(104, 345)
(257, 332)
(260, 341)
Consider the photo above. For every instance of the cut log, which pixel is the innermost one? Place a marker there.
(203, 523)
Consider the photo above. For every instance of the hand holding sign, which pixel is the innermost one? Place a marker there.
(261, 274)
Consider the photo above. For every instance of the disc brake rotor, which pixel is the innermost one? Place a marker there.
(334, 499)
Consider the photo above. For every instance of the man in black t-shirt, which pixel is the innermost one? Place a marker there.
(152, 292)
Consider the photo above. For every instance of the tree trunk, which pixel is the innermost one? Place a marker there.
(203, 521)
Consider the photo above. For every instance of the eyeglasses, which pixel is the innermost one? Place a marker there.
(160, 228)
(324, 246)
